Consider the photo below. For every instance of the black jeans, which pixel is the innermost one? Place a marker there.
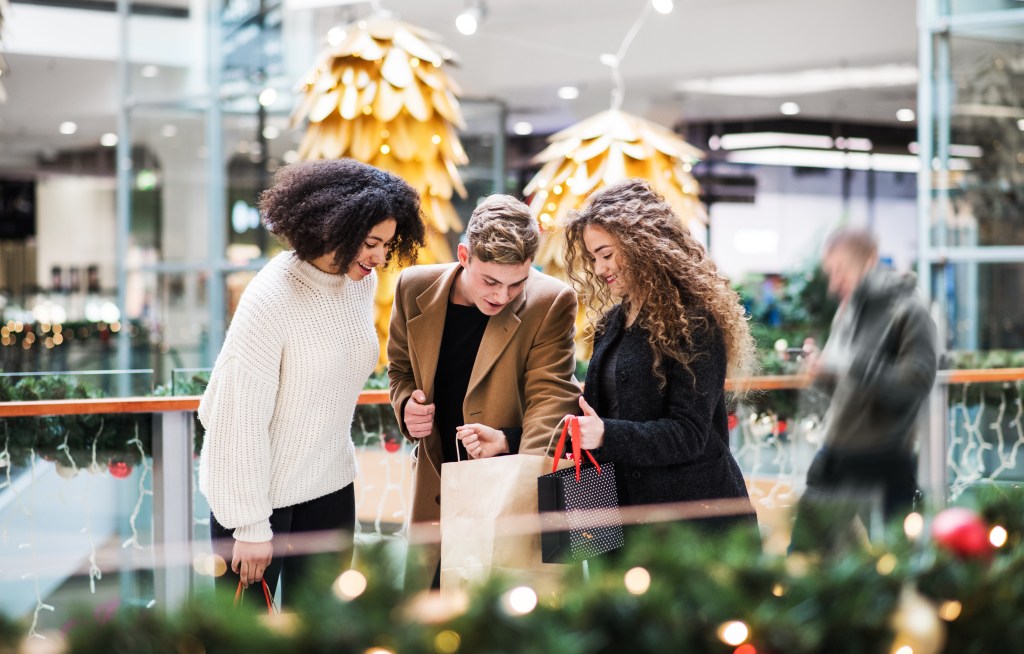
(842, 486)
(333, 512)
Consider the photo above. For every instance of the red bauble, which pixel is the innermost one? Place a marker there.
(119, 469)
(733, 421)
(392, 444)
(961, 531)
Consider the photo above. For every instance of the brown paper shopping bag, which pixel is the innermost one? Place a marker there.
(489, 522)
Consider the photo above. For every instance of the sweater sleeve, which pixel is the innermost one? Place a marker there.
(682, 434)
(236, 411)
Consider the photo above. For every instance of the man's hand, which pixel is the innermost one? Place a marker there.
(419, 416)
(591, 427)
(250, 560)
(482, 441)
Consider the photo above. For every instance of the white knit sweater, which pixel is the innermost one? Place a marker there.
(278, 410)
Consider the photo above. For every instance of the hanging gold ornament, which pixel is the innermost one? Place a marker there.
(602, 150)
(383, 95)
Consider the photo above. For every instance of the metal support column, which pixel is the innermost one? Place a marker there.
(172, 507)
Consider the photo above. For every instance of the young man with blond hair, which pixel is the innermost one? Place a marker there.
(481, 355)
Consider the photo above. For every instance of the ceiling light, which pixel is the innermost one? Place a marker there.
(836, 159)
(291, 156)
(271, 132)
(108, 140)
(68, 128)
(789, 108)
(1020, 124)
(906, 115)
(169, 131)
(663, 6)
(268, 97)
(854, 143)
(568, 92)
(752, 140)
(336, 35)
(608, 59)
(469, 20)
(522, 128)
(149, 71)
(818, 80)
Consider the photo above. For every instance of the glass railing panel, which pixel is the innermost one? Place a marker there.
(76, 514)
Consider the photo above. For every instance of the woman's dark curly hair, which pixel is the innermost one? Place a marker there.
(330, 205)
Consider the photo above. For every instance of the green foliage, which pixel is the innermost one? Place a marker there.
(800, 604)
(71, 441)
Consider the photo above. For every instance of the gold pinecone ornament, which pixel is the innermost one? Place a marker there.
(601, 150)
(383, 95)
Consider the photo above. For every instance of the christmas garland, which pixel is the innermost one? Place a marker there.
(954, 587)
(96, 443)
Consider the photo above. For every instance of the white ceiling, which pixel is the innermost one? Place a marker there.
(526, 49)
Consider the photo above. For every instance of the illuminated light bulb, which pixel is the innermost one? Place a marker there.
(350, 585)
(997, 536)
(733, 632)
(521, 600)
(913, 525)
(637, 580)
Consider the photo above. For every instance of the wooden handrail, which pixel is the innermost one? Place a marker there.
(191, 403)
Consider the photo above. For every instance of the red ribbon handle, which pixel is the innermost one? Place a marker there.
(572, 426)
(266, 595)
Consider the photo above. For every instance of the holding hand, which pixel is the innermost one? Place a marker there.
(591, 427)
(250, 560)
(419, 416)
(482, 441)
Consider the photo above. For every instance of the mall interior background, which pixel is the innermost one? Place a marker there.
(170, 238)
(136, 136)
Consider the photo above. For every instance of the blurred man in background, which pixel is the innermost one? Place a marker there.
(878, 367)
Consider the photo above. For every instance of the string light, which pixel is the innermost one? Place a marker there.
(998, 536)
(637, 580)
(521, 600)
(350, 585)
(733, 632)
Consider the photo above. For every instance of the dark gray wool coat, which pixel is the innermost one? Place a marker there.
(668, 444)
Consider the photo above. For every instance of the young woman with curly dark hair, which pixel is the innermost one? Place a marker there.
(278, 458)
(655, 400)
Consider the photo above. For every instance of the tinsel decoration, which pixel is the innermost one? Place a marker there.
(383, 95)
(601, 150)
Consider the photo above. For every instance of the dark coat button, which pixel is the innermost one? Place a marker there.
(623, 376)
(636, 474)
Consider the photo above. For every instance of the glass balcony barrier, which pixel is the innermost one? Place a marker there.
(98, 501)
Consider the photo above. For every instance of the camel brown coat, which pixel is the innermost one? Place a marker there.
(523, 375)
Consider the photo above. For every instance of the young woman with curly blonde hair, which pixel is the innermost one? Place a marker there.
(655, 401)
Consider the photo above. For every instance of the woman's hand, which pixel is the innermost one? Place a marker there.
(591, 427)
(482, 441)
(250, 560)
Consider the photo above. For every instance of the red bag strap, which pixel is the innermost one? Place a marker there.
(266, 594)
(560, 445)
(577, 446)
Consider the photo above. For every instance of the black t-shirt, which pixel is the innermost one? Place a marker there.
(463, 330)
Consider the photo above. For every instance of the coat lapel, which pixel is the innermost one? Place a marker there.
(500, 331)
(426, 329)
